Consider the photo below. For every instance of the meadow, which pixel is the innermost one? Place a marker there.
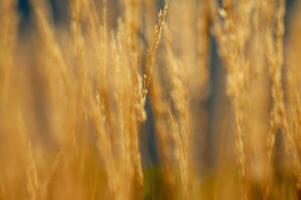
(149, 99)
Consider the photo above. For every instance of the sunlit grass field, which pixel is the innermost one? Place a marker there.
(149, 99)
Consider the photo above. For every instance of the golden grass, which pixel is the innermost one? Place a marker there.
(81, 100)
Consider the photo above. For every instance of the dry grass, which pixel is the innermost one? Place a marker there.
(109, 103)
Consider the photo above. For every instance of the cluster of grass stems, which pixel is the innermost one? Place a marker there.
(140, 99)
